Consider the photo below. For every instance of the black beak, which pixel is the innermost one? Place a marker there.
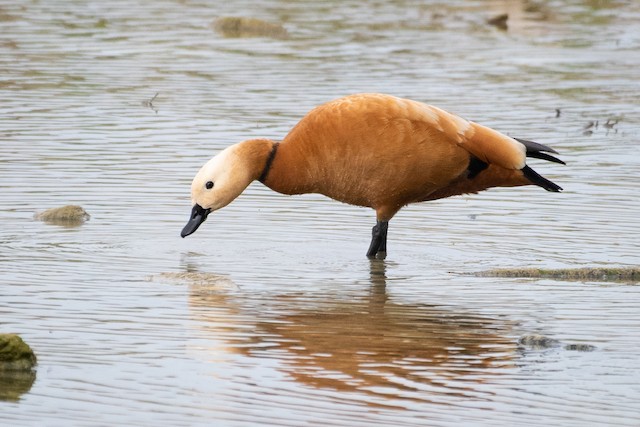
(198, 215)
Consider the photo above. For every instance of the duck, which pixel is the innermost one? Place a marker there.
(372, 150)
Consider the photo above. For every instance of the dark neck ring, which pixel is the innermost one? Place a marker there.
(267, 166)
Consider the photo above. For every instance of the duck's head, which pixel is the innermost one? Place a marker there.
(218, 183)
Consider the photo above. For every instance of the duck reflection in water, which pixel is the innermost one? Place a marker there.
(367, 343)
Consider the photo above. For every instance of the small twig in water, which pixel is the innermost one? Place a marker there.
(149, 103)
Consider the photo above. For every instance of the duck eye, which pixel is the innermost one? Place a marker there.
(209, 185)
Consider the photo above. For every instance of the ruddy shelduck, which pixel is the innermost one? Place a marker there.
(371, 150)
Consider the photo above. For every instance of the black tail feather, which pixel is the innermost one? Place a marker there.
(536, 146)
(545, 156)
(538, 151)
(538, 179)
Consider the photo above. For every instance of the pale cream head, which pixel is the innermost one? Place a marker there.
(221, 180)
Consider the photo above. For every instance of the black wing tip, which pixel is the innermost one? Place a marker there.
(539, 151)
(539, 180)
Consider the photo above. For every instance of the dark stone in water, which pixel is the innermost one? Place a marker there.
(16, 367)
(15, 354)
(14, 384)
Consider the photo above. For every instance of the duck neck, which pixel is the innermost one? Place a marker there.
(278, 166)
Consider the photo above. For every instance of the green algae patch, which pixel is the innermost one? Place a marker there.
(15, 354)
(609, 274)
(232, 26)
(65, 215)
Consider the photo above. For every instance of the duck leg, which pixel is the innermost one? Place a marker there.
(378, 246)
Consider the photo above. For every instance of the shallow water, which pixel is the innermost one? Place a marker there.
(270, 314)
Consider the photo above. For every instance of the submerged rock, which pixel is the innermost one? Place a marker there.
(15, 354)
(538, 342)
(65, 215)
(232, 26)
(541, 342)
(579, 347)
(208, 281)
(14, 384)
(499, 21)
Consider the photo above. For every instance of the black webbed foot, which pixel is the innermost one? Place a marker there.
(378, 246)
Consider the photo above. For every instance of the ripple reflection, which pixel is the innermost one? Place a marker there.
(367, 345)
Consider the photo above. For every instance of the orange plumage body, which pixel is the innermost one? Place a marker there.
(384, 152)
(376, 151)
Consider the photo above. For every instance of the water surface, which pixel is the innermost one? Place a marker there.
(271, 314)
